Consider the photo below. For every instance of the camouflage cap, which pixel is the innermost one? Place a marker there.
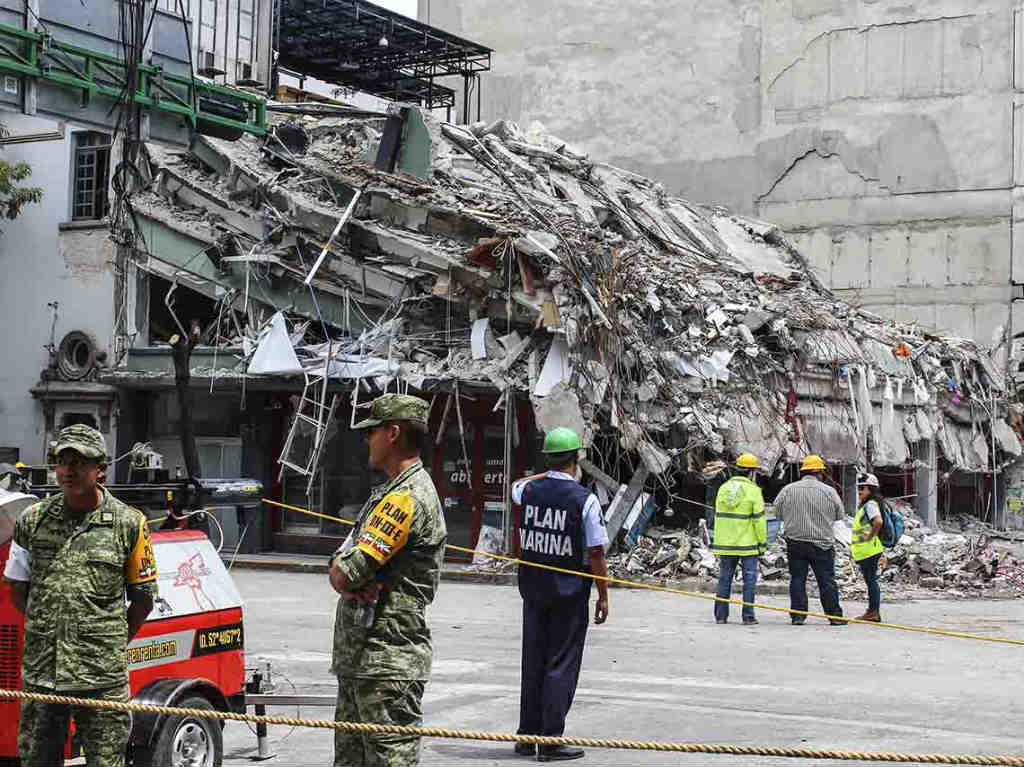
(83, 439)
(396, 407)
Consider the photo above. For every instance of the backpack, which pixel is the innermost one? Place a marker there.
(892, 526)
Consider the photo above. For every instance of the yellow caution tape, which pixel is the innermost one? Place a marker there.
(693, 594)
(435, 732)
(310, 513)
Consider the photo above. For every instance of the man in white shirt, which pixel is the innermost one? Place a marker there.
(561, 527)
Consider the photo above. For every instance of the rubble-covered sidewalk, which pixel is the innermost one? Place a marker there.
(964, 558)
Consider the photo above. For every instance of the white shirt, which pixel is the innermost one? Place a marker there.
(593, 519)
(19, 564)
(871, 510)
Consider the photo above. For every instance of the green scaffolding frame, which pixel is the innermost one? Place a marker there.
(39, 55)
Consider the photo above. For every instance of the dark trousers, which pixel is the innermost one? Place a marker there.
(553, 637)
(869, 567)
(726, 572)
(805, 556)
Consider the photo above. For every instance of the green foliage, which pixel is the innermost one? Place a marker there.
(12, 195)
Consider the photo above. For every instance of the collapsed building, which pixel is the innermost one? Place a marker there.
(516, 284)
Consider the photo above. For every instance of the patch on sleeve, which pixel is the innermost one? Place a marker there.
(141, 567)
(387, 528)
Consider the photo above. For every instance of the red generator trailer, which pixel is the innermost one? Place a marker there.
(189, 653)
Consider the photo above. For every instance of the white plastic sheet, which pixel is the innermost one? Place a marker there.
(890, 442)
(274, 353)
(557, 368)
(478, 339)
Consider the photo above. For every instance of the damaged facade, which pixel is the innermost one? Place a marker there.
(880, 135)
(517, 285)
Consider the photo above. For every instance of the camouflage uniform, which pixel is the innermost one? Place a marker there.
(76, 627)
(383, 667)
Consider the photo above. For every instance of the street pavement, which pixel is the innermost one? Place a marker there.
(661, 669)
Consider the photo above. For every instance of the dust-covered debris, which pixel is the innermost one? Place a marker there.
(684, 330)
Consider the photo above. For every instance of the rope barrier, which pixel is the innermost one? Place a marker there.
(693, 594)
(436, 732)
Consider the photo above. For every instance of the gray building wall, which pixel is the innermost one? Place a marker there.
(884, 135)
(43, 262)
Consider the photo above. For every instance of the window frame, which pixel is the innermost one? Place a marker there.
(90, 193)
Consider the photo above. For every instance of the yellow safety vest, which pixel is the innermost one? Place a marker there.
(862, 526)
(740, 524)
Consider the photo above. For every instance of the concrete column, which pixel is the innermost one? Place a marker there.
(850, 489)
(999, 513)
(926, 479)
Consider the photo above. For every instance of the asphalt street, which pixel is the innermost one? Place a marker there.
(661, 669)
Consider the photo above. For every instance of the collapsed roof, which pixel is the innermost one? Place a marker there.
(506, 258)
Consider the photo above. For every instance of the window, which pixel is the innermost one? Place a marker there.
(92, 174)
(220, 456)
(245, 47)
(76, 419)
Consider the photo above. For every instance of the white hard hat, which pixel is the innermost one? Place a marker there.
(867, 480)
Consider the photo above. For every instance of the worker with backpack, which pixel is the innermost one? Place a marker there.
(869, 528)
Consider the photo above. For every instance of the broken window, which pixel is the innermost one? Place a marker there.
(92, 174)
(188, 304)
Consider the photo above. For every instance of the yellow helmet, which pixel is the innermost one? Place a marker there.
(21, 465)
(813, 463)
(748, 461)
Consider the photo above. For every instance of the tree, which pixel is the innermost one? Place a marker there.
(12, 195)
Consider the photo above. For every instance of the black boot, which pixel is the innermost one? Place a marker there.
(558, 753)
(526, 749)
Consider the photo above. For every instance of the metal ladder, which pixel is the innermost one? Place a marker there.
(312, 417)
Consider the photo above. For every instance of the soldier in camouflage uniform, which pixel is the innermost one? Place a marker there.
(387, 572)
(74, 557)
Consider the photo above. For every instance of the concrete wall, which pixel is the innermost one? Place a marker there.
(880, 133)
(44, 263)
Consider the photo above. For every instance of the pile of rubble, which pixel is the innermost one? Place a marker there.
(504, 258)
(965, 558)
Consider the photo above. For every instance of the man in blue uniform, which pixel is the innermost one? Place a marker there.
(561, 527)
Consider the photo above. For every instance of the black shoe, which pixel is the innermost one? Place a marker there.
(750, 621)
(833, 622)
(558, 753)
(526, 749)
(798, 621)
(721, 620)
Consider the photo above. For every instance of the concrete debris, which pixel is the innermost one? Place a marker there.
(499, 257)
(977, 561)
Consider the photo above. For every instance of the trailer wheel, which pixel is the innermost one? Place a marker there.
(187, 741)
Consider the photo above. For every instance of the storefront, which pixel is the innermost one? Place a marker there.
(467, 465)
